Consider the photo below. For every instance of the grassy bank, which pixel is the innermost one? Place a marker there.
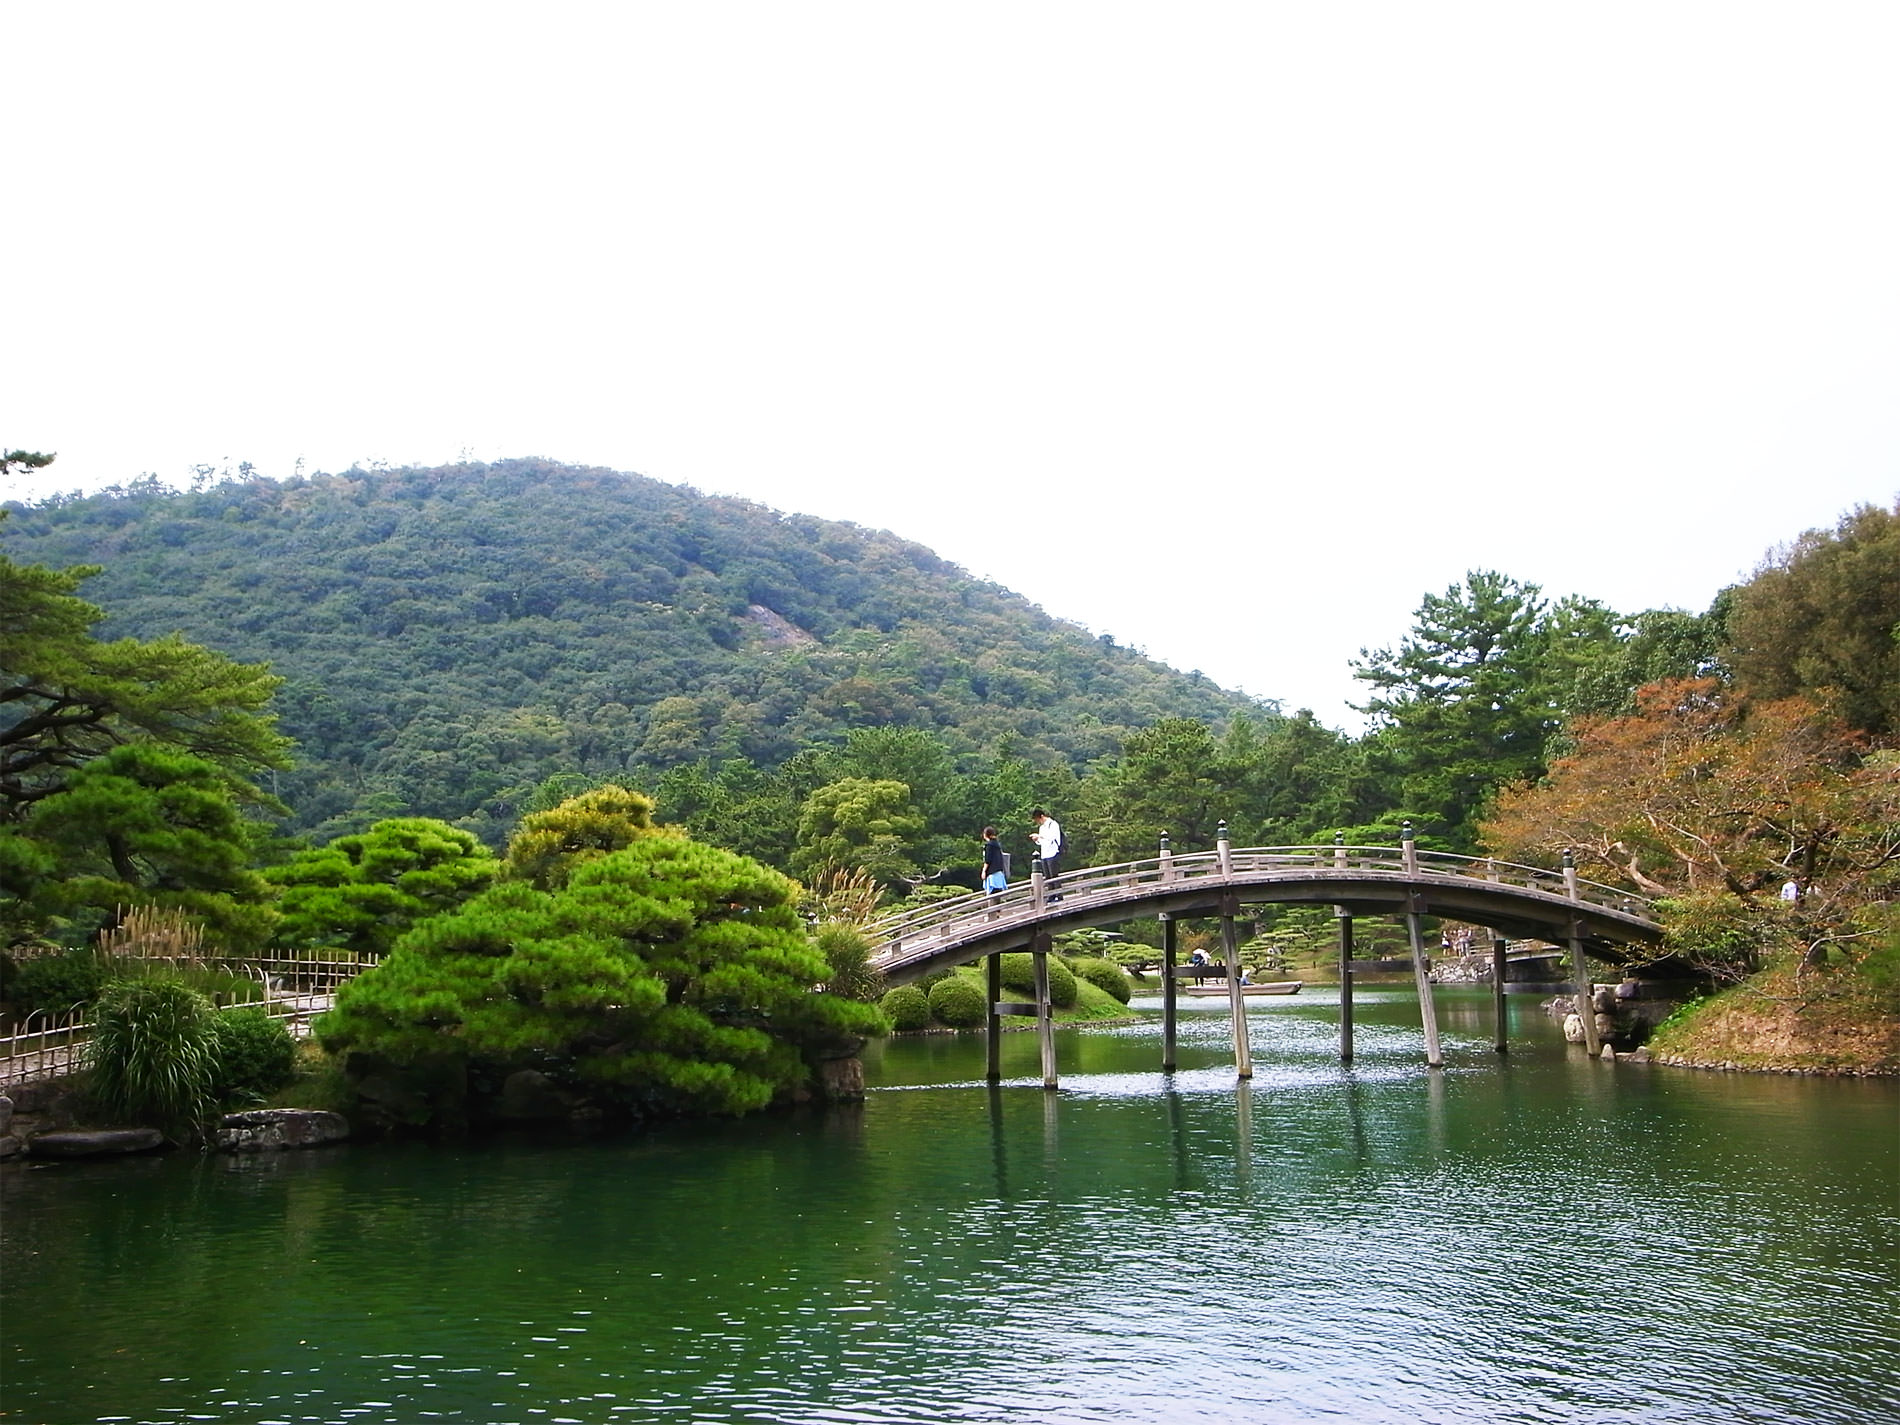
(1789, 1020)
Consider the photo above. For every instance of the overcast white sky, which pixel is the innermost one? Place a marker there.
(1228, 330)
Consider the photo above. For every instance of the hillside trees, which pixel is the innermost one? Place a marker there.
(1302, 781)
(453, 637)
(1823, 617)
(1275, 781)
(741, 807)
(1171, 778)
(758, 812)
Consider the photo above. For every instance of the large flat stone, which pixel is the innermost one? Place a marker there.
(271, 1130)
(95, 1143)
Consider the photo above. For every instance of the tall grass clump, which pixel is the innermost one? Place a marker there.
(154, 1055)
(147, 932)
(847, 950)
(840, 893)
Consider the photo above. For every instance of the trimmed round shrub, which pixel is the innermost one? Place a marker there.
(957, 1003)
(906, 1007)
(55, 983)
(154, 1054)
(1019, 973)
(1061, 984)
(256, 1055)
(1105, 975)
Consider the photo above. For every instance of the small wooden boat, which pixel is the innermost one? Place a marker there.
(1276, 987)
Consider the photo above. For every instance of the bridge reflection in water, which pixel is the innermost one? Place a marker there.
(1516, 902)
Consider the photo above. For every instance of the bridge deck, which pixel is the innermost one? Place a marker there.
(1524, 902)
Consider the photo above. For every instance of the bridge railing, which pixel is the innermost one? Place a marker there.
(1026, 901)
(295, 989)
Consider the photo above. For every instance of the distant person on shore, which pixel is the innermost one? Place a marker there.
(1048, 838)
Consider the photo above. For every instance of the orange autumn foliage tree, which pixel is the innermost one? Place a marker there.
(1702, 792)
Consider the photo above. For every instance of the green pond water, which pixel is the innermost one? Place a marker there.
(1535, 1238)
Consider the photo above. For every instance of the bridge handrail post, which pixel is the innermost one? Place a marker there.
(1223, 849)
(1570, 875)
(1408, 849)
(1037, 885)
(1166, 858)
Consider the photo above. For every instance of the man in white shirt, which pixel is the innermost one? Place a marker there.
(1048, 839)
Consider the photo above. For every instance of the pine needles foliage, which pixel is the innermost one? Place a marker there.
(662, 976)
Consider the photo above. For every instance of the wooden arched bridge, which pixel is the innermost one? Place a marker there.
(1518, 902)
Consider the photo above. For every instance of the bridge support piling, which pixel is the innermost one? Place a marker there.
(1427, 1006)
(1421, 971)
(1579, 967)
(1237, 1002)
(1586, 1010)
(993, 971)
(1344, 917)
(1045, 1012)
(1499, 947)
(1169, 994)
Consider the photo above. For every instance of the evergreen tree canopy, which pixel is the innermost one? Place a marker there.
(665, 975)
(361, 892)
(66, 697)
(1170, 778)
(550, 845)
(858, 823)
(144, 824)
(1468, 701)
(1823, 618)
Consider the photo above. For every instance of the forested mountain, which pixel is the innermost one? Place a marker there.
(450, 638)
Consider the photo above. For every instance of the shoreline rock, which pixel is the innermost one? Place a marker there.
(274, 1130)
(1815, 1071)
(95, 1142)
